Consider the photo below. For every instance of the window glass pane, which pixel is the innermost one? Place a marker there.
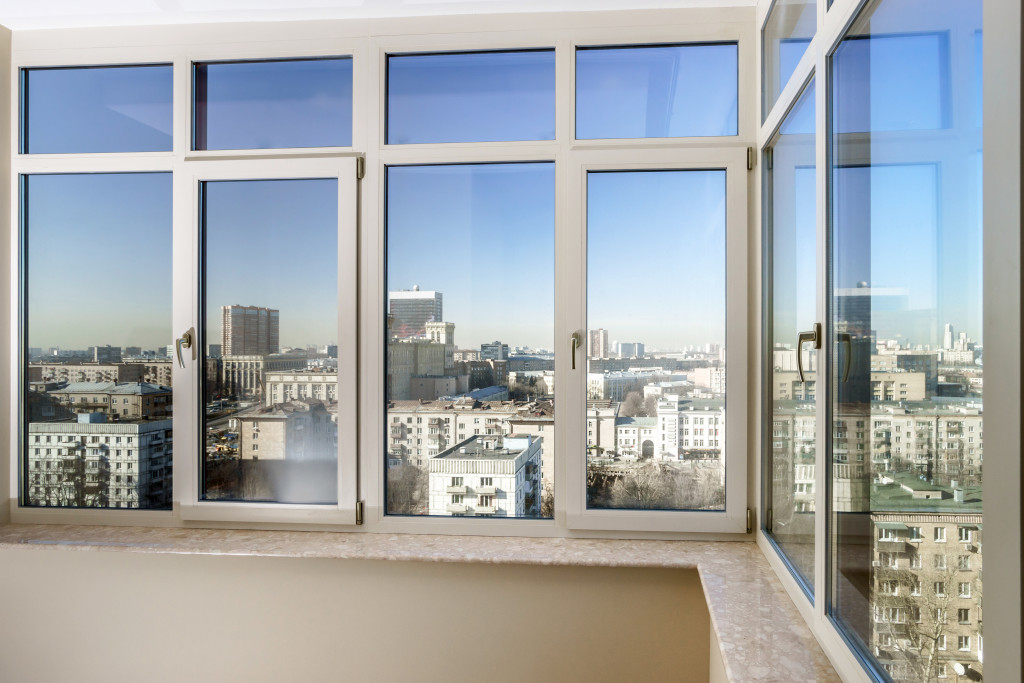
(273, 104)
(470, 362)
(271, 333)
(656, 91)
(790, 426)
(655, 349)
(906, 408)
(98, 297)
(471, 97)
(787, 33)
(97, 109)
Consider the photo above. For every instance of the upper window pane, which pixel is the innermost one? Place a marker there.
(97, 109)
(273, 104)
(787, 33)
(471, 97)
(656, 91)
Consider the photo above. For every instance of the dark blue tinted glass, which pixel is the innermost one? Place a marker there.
(471, 97)
(269, 105)
(656, 92)
(97, 109)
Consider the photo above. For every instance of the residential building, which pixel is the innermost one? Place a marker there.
(118, 401)
(597, 344)
(481, 476)
(283, 386)
(250, 331)
(246, 375)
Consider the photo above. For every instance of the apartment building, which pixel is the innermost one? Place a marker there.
(492, 476)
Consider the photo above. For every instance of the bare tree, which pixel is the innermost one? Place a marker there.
(651, 406)
(632, 405)
(645, 487)
(407, 490)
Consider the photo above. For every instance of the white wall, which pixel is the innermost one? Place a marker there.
(113, 616)
(5, 258)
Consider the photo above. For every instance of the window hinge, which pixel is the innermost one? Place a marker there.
(750, 521)
(750, 158)
(359, 512)
(769, 158)
(768, 520)
(360, 167)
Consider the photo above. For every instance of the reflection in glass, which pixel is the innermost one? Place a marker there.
(789, 428)
(273, 104)
(98, 396)
(656, 91)
(270, 339)
(906, 449)
(656, 340)
(471, 97)
(97, 109)
(470, 335)
(787, 33)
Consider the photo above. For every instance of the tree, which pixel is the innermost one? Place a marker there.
(633, 405)
(407, 490)
(651, 406)
(645, 487)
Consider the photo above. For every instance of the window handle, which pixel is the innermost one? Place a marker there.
(574, 343)
(814, 336)
(184, 341)
(847, 342)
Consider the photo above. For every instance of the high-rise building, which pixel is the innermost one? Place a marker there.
(947, 336)
(597, 343)
(411, 310)
(249, 331)
(494, 351)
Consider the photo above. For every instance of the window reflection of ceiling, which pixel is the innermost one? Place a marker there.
(19, 15)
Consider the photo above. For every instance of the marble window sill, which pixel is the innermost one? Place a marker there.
(760, 632)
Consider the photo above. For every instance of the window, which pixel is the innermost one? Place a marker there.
(963, 616)
(651, 91)
(964, 589)
(963, 643)
(273, 104)
(939, 561)
(940, 534)
(939, 588)
(964, 534)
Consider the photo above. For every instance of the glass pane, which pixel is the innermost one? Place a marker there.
(470, 423)
(262, 105)
(787, 33)
(656, 92)
(271, 334)
(97, 109)
(471, 97)
(906, 384)
(98, 297)
(789, 427)
(656, 349)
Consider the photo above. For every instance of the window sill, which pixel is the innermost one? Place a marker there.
(761, 635)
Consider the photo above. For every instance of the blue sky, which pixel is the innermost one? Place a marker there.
(99, 260)
(274, 244)
(483, 236)
(656, 256)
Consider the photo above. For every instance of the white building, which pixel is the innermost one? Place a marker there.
(495, 477)
(95, 463)
(289, 385)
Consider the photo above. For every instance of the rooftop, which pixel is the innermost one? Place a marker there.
(473, 449)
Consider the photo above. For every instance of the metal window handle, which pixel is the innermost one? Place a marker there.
(847, 342)
(814, 336)
(574, 343)
(184, 341)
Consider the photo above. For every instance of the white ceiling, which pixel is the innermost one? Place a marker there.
(37, 14)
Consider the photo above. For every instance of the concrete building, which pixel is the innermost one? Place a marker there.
(408, 358)
(712, 379)
(95, 463)
(246, 375)
(494, 351)
(440, 333)
(432, 388)
(597, 344)
(630, 349)
(105, 354)
(615, 386)
(283, 386)
(296, 430)
(481, 476)
(90, 372)
(249, 331)
(411, 310)
(128, 401)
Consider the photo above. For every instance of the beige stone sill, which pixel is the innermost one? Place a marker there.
(761, 635)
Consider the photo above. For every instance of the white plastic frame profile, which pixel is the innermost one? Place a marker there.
(734, 518)
(187, 193)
